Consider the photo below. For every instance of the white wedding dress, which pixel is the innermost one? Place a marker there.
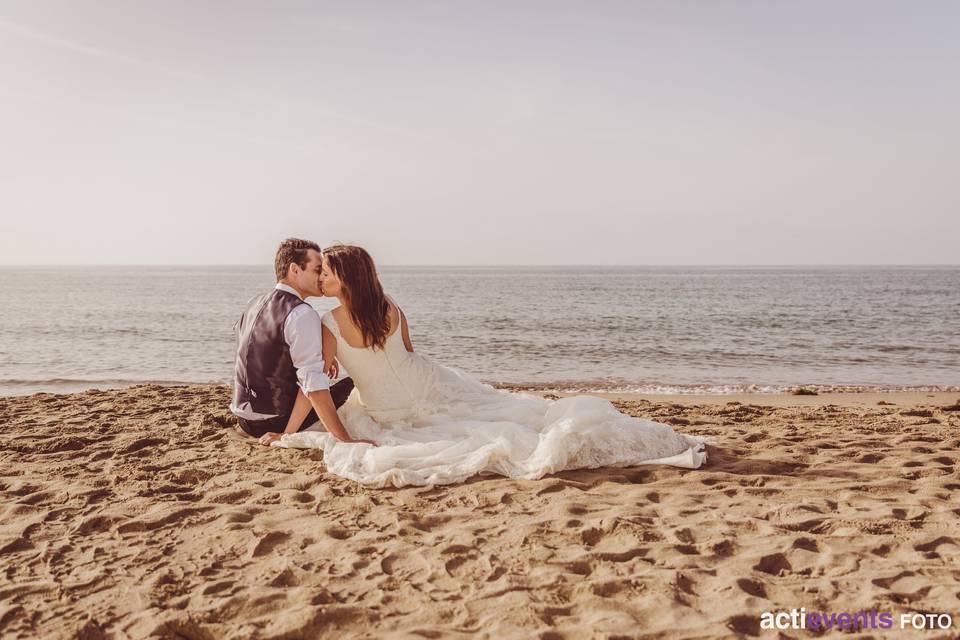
(435, 425)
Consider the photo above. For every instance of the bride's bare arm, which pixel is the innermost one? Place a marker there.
(406, 331)
(329, 353)
(404, 328)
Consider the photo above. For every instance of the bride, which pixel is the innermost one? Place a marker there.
(426, 424)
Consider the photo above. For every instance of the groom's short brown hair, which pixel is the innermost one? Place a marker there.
(292, 250)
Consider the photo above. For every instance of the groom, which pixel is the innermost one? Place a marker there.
(279, 349)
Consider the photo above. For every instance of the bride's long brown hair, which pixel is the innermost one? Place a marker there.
(361, 291)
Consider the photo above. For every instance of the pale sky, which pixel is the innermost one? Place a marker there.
(514, 132)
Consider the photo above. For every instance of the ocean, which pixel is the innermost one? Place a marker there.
(639, 329)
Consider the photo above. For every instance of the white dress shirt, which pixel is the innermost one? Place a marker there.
(302, 331)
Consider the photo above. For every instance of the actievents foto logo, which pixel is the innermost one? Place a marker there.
(853, 621)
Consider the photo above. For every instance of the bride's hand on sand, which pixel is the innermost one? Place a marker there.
(267, 438)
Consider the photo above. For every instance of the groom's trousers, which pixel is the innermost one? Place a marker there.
(257, 428)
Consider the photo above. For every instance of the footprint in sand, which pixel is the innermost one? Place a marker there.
(286, 578)
(428, 523)
(143, 443)
(549, 615)
(231, 497)
(268, 543)
(409, 567)
(300, 497)
(744, 625)
(96, 524)
(580, 567)
(218, 588)
(752, 587)
(686, 549)
(807, 544)
(338, 533)
(685, 535)
(911, 513)
(555, 487)
(622, 556)
(776, 564)
(724, 548)
(886, 583)
(608, 589)
(906, 586)
(933, 547)
(590, 537)
(241, 516)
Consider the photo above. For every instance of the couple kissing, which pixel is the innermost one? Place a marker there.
(399, 418)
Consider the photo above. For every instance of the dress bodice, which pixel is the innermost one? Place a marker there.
(382, 377)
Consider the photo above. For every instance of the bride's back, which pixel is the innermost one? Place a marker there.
(389, 380)
(351, 333)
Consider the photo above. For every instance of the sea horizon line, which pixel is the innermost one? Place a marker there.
(504, 266)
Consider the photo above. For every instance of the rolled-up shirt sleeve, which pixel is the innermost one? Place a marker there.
(303, 333)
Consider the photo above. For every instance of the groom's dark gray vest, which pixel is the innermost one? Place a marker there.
(265, 376)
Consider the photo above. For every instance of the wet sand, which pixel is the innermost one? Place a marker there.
(870, 399)
(142, 512)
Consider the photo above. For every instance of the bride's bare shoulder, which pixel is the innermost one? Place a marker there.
(335, 315)
(393, 314)
(391, 303)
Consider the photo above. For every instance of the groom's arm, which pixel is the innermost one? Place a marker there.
(302, 333)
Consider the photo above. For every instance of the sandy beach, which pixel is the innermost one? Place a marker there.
(142, 513)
